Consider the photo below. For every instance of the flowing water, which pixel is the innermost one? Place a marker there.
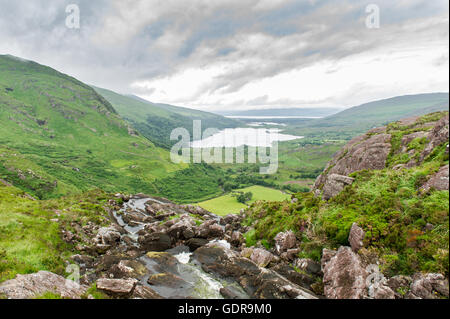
(196, 282)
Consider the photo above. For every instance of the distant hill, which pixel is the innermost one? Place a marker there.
(384, 111)
(58, 136)
(306, 112)
(356, 120)
(156, 121)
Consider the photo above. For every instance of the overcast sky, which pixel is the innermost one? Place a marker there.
(238, 54)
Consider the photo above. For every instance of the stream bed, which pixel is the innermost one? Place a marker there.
(180, 276)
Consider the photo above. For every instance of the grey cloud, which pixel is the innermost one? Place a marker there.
(300, 33)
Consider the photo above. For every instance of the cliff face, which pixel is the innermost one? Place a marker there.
(404, 144)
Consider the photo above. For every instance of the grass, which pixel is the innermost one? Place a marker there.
(30, 230)
(227, 204)
(59, 137)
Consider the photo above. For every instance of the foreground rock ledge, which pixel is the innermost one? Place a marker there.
(30, 286)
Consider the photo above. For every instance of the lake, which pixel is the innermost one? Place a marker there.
(235, 137)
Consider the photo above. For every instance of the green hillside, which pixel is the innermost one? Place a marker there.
(156, 121)
(388, 110)
(356, 120)
(58, 136)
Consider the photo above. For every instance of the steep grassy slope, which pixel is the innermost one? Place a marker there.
(406, 226)
(58, 136)
(156, 121)
(30, 231)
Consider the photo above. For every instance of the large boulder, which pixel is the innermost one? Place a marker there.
(32, 285)
(285, 241)
(209, 229)
(182, 229)
(344, 276)
(116, 287)
(107, 236)
(168, 280)
(128, 269)
(155, 242)
(356, 237)
(164, 262)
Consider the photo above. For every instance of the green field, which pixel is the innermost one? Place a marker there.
(227, 204)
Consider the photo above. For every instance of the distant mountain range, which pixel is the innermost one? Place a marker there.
(384, 111)
(297, 112)
(356, 120)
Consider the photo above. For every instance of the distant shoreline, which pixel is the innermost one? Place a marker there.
(271, 117)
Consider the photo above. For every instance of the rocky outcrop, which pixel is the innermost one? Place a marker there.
(429, 286)
(356, 237)
(438, 135)
(438, 181)
(400, 285)
(33, 285)
(371, 150)
(335, 184)
(363, 152)
(344, 276)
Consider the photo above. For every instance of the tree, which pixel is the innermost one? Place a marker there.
(244, 197)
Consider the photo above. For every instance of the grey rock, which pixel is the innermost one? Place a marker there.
(356, 237)
(116, 287)
(285, 241)
(32, 285)
(344, 276)
(334, 184)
